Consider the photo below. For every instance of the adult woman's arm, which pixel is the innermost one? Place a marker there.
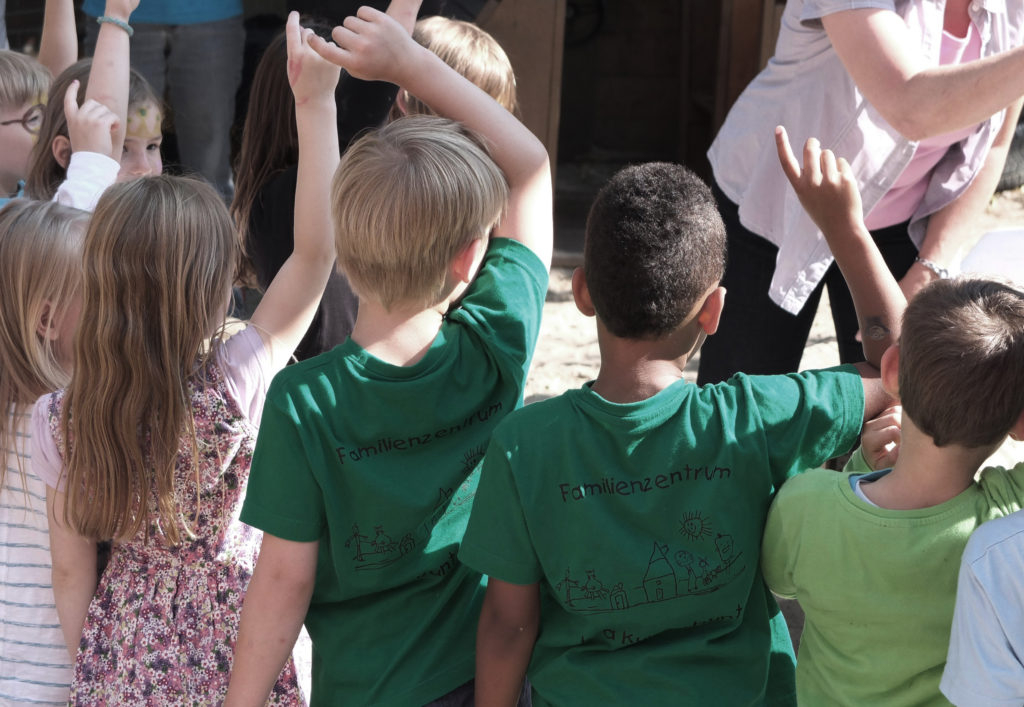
(957, 223)
(917, 99)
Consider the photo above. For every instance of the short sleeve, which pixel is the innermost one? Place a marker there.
(982, 668)
(245, 361)
(497, 540)
(88, 176)
(505, 302)
(813, 10)
(47, 463)
(777, 549)
(283, 497)
(808, 417)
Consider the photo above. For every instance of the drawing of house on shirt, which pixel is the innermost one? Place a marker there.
(660, 579)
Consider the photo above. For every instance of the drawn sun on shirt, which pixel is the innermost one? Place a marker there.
(471, 458)
(695, 526)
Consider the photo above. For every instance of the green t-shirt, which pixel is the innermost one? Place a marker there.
(877, 586)
(642, 523)
(379, 463)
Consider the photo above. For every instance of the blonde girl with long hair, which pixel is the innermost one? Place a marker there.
(150, 443)
(40, 268)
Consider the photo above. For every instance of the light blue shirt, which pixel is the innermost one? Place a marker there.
(806, 88)
(174, 12)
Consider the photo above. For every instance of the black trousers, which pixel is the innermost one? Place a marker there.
(756, 335)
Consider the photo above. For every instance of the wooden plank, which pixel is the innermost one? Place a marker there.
(531, 32)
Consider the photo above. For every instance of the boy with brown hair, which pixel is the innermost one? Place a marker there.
(364, 472)
(620, 524)
(872, 556)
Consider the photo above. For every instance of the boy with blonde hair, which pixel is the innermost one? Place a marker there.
(471, 51)
(24, 84)
(872, 556)
(364, 472)
(620, 524)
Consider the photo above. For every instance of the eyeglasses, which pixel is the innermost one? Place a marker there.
(31, 121)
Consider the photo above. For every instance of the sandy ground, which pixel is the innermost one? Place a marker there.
(567, 354)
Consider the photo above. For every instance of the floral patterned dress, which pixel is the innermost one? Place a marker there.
(162, 625)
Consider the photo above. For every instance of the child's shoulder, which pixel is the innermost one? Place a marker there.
(997, 535)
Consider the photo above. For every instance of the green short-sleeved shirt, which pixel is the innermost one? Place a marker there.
(642, 523)
(877, 586)
(378, 462)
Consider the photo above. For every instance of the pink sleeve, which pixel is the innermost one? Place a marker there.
(47, 463)
(246, 364)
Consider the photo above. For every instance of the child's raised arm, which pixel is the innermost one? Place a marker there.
(290, 302)
(108, 76)
(58, 45)
(828, 192)
(373, 46)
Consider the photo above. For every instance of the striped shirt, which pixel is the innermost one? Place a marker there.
(34, 664)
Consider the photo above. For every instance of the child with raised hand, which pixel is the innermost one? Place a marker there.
(150, 442)
(40, 266)
(448, 250)
(77, 177)
(872, 556)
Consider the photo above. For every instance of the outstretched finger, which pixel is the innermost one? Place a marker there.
(293, 34)
(71, 100)
(404, 11)
(790, 166)
(812, 160)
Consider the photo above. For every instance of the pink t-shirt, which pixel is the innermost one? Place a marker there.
(245, 363)
(907, 192)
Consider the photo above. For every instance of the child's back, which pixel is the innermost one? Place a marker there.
(364, 477)
(872, 557)
(40, 254)
(634, 506)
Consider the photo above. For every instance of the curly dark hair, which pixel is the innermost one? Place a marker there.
(655, 243)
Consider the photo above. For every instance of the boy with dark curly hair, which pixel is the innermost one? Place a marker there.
(621, 523)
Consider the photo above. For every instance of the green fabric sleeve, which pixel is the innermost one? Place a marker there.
(505, 302)
(497, 541)
(283, 497)
(857, 464)
(808, 417)
(778, 547)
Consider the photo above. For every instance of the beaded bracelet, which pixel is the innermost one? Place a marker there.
(940, 271)
(117, 22)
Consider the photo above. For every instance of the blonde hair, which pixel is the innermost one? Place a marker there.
(405, 200)
(159, 258)
(22, 79)
(473, 53)
(40, 267)
(45, 173)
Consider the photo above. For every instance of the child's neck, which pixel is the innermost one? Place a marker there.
(401, 336)
(925, 475)
(637, 369)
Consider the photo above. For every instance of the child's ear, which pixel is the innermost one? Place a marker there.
(402, 101)
(467, 260)
(890, 365)
(46, 327)
(710, 313)
(61, 148)
(1017, 431)
(581, 293)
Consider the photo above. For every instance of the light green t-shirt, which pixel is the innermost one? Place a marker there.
(377, 463)
(877, 586)
(642, 523)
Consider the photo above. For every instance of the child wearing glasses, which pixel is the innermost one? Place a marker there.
(24, 83)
